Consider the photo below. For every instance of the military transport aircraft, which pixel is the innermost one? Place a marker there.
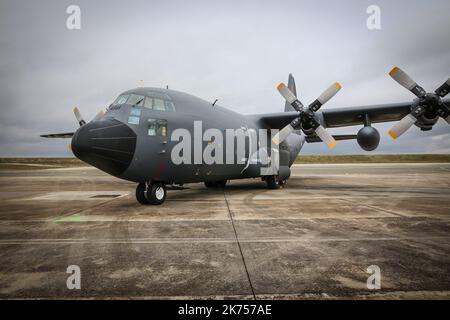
(135, 139)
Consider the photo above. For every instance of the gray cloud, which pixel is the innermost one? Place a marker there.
(234, 51)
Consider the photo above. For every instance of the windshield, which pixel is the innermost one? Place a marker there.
(135, 100)
(154, 101)
(121, 99)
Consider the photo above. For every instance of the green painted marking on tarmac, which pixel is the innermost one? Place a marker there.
(68, 219)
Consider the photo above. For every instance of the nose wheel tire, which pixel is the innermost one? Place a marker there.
(140, 194)
(156, 193)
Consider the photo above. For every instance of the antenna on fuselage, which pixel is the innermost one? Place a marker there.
(167, 86)
(215, 102)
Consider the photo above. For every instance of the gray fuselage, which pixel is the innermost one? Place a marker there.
(124, 142)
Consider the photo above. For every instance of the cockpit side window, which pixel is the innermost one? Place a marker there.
(169, 105)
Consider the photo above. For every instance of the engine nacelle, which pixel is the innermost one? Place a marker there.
(430, 117)
(368, 138)
(426, 122)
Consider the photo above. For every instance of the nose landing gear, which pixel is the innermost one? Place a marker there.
(151, 193)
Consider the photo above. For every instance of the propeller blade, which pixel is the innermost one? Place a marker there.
(443, 90)
(79, 117)
(407, 82)
(325, 96)
(325, 137)
(290, 97)
(283, 134)
(400, 127)
(444, 112)
(99, 115)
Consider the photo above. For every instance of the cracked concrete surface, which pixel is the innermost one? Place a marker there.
(313, 239)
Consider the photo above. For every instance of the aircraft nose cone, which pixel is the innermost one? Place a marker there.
(107, 144)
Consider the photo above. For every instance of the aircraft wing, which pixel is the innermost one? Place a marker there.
(337, 137)
(350, 116)
(58, 135)
(342, 117)
(275, 120)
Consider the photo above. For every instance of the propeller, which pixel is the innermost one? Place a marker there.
(79, 117)
(429, 104)
(81, 120)
(307, 119)
(99, 115)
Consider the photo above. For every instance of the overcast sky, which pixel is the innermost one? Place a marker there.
(236, 51)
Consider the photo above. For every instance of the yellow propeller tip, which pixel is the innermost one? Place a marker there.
(338, 85)
(332, 145)
(392, 134)
(281, 85)
(393, 71)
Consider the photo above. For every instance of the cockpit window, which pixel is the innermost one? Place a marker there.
(121, 99)
(155, 101)
(169, 105)
(159, 102)
(136, 100)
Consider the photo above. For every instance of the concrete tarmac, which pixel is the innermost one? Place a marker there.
(313, 239)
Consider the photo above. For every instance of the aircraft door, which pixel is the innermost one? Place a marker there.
(157, 133)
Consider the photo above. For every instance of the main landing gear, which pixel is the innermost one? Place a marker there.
(151, 193)
(215, 184)
(273, 182)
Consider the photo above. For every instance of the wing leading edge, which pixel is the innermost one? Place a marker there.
(343, 117)
(351, 116)
(58, 135)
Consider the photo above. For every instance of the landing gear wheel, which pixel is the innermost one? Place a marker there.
(272, 182)
(140, 194)
(221, 183)
(210, 184)
(156, 193)
(216, 184)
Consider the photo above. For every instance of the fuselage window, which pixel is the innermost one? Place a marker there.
(157, 127)
(135, 100)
